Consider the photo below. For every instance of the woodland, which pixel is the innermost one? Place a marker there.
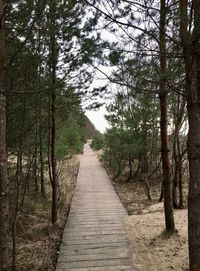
(51, 54)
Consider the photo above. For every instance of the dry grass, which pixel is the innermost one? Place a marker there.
(37, 240)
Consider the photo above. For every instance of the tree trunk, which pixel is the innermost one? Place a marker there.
(130, 169)
(180, 173)
(16, 209)
(53, 162)
(190, 42)
(167, 185)
(4, 205)
(146, 187)
(42, 187)
(29, 165)
(194, 185)
(36, 160)
(179, 116)
(175, 173)
(180, 187)
(53, 109)
(41, 149)
(161, 192)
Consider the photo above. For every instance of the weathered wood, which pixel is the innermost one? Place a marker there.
(122, 244)
(95, 238)
(105, 268)
(94, 263)
(93, 257)
(92, 251)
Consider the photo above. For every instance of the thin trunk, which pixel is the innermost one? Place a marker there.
(175, 174)
(118, 171)
(53, 109)
(14, 221)
(167, 185)
(180, 173)
(130, 169)
(17, 187)
(26, 182)
(161, 193)
(180, 187)
(155, 170)
(53, 162)
(179, 117)
(147, 188)
(42, 186)
(144, 174)
(35, 160)
(4, 205)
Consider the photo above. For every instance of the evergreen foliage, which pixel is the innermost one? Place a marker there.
(97, 141)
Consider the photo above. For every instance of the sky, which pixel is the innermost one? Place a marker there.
(98, 119)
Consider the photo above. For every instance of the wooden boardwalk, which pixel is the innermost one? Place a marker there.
(94, 238)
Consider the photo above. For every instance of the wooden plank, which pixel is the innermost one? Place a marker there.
(94, 240)
(64, 257)
(93, 224)
(98, 219)
(95, 245)
(89, 236)
(96, 250)
(104, 268)
(94, 263)
(98, 230)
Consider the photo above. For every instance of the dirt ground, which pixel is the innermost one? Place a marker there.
(37, 240)
(153, 250)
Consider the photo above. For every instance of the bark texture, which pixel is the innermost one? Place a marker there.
(53, 109)
(4, 210)
(167, 184)
(191, 50)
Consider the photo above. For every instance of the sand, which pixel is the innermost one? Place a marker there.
(153, 250)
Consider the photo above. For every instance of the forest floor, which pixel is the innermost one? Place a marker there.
(153, 250)
(37, 240)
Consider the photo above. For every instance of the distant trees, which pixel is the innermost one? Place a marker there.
(132, 142)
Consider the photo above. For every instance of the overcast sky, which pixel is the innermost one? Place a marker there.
(98, 119)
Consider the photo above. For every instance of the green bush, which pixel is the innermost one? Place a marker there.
(98, 141)
(70, 138)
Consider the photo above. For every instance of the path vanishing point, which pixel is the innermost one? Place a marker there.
(94, 238)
